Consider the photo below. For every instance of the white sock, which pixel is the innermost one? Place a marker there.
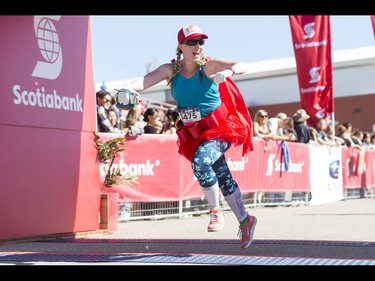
(236, 204)
(212, 195)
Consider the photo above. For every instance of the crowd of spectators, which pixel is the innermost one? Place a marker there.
(295, 128)
(136, 121)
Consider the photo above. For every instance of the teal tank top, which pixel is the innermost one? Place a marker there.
(196, 92)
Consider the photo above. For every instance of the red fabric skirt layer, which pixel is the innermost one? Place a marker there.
(230, 129)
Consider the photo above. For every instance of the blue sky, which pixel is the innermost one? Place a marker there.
(124, 46)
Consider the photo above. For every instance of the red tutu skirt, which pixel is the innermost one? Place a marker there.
(230, 129)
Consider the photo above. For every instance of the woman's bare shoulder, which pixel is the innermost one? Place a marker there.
(167, 68)
(163, 72)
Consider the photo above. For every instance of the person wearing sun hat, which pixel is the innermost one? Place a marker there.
(300, 116)
(304, 133)
(190, 31)
(214, 116)
(281, 115)
(300, 126)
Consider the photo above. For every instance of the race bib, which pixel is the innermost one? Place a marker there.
(189, 114)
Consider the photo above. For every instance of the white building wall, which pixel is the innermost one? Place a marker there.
(275, 81)
(354, 81)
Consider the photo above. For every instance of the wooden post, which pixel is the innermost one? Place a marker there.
(109, 211)
(104, 211)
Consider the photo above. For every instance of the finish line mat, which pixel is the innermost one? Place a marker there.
(189, 252)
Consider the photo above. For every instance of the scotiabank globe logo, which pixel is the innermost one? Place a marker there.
(334, 169)
(49, 46)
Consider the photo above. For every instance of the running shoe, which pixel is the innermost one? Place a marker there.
(216, 220)
(246, 232)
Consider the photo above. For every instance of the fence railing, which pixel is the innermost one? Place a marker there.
(188, 208)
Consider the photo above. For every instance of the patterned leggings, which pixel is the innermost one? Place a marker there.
(209, 166)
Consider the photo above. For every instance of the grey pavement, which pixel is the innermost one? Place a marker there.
(338, 233)
(351, 220)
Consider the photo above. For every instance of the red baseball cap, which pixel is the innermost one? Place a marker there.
(190, 31)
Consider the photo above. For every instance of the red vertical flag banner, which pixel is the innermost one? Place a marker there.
(373, 22)
(311, 37)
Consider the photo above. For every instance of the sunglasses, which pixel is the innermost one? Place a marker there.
(106, 100)
(263, 116)
(193, 42)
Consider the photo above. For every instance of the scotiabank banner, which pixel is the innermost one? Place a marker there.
(47, 126)
(43, 68)
(311, 36)
(268, 171)
(164, 175)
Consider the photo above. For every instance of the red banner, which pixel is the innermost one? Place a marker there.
(369, 169)
(164, 175)
(373, 22)
(311, 37)
(353, 175)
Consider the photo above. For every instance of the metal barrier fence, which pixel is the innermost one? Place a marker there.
(196, 206)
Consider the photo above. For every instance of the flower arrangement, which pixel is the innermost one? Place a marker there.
(107, 152)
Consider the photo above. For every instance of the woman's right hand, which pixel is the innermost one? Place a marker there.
(127, 97)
